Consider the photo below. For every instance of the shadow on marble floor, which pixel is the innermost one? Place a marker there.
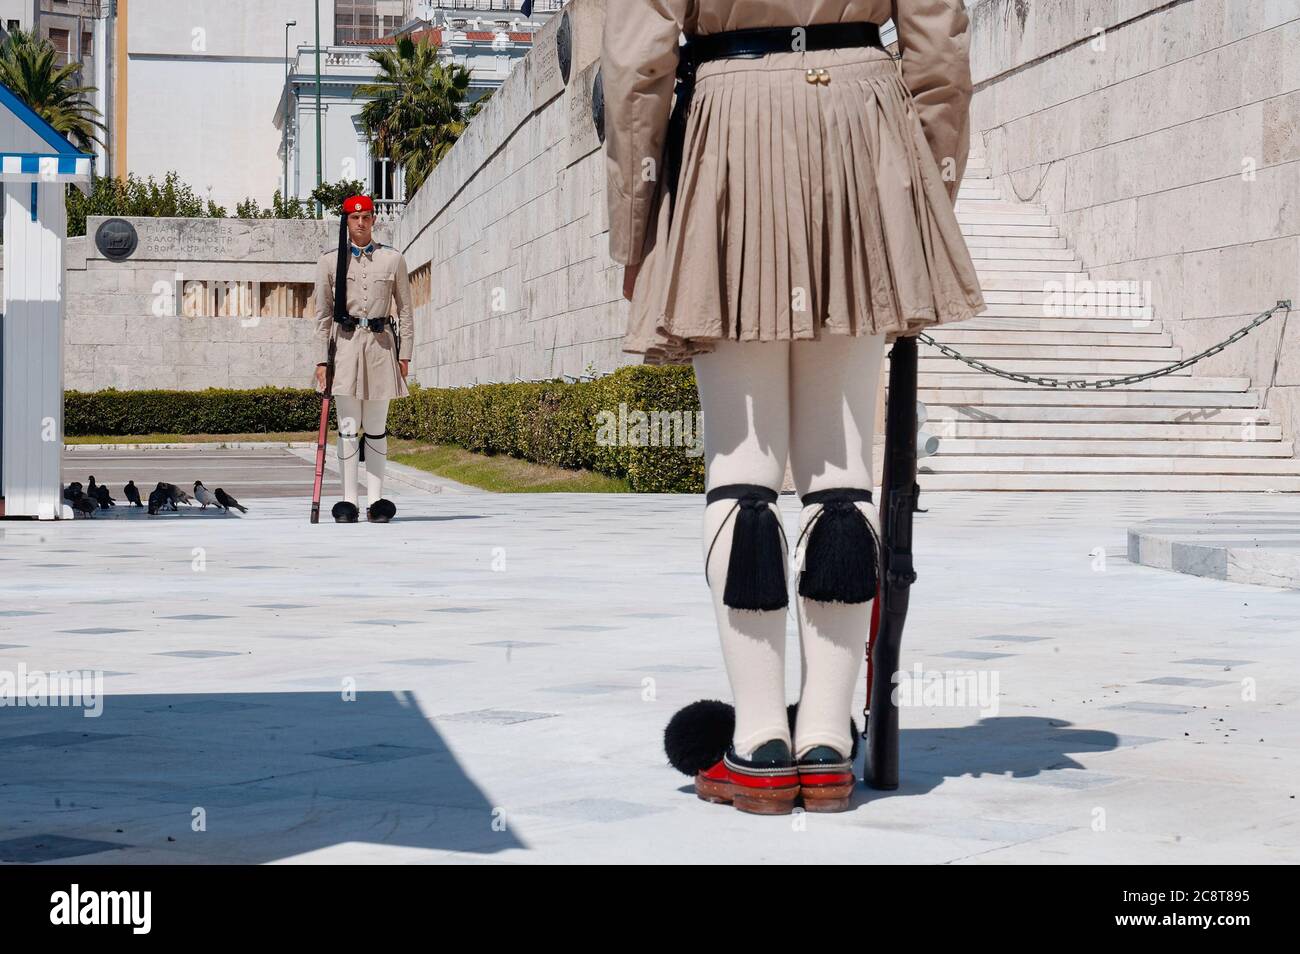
(268, 776)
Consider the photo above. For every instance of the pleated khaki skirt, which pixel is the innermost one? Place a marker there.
(365, 365)
(802, 209)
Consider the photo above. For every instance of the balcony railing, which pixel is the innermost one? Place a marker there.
(500, 6)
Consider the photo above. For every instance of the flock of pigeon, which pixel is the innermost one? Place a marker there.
(86, 500)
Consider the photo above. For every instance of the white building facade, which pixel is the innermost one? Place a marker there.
(221, 91)
(489, 39)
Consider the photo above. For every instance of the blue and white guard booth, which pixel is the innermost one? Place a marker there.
(36, 165)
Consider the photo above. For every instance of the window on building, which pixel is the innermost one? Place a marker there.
(383, 179)
(87, 44)
(421, 285)
(286, 300)
(243, 299)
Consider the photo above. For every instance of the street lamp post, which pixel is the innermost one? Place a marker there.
(319, 150)
(285, 135)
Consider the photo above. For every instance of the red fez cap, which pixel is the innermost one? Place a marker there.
(358, 203)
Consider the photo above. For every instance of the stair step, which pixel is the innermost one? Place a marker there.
(1209, 483)
(1125, 326)
(1115, 448)
(955, 464)
(1014, 241)
(1083, 368)
(994, 398)
(1134, 315)
(1036, 296)
(1030, 351)
(953, 429)
(981, 253)
(998, 268)
(1017, 218)
(1169, 382)
(966, 208)
(959, 336)
(1019, 281)
(980, 228)
(945, 411)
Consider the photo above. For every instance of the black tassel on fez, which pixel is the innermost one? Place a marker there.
(756, 571)
(839, 562)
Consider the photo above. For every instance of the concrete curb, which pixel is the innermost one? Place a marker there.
(402, 473)
(1242, 547)
(190, 445)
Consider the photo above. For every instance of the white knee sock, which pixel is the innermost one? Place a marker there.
(753, 643)
(833, 383)
(348, 447)
(745, 406)
(374, 416)
(813, 401)
(832, 644)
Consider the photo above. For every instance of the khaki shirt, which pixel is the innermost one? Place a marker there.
(365, 362)
(639, 62)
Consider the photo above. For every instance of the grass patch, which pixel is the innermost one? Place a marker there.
(499, 472)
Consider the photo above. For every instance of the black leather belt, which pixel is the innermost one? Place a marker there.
(371, 324)
(736, 44)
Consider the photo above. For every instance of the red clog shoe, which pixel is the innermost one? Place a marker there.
(826, 780)
(765, 784)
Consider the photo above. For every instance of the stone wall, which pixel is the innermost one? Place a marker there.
(200, 303)
(513, 227)
(1164, 137)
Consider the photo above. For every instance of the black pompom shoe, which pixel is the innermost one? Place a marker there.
(697, 741)
(381, 511)
(344, 512)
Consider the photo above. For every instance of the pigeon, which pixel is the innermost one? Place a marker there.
(92, 491)
(157, 501)
(83, 505)
(204, 496)
(132, 493)
(166, 500)
(72, 491)
(175, 494)
(105, 499)
(228, 501)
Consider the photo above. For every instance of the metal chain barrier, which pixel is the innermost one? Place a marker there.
(1081, 384)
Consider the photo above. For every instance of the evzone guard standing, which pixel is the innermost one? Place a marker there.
(803, 221)
(367, 354)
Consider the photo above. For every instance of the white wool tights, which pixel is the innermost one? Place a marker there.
(815, 402)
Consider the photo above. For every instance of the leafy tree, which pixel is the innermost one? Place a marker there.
(27, 67)
(133, 196)
(417, 107)
(331, 194)
(280, 208)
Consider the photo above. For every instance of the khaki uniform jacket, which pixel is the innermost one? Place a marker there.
(365, 362)
(639, 61)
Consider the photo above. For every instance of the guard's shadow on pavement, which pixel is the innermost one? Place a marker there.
(1018, 746)
(264, 776)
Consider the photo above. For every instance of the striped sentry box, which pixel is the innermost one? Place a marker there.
(24, 167)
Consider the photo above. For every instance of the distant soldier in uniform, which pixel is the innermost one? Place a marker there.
(371, 351)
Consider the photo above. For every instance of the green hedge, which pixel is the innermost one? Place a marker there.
(214, 411)
(640, 423)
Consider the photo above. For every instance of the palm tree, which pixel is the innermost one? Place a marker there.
(27, 67)
(417, 107)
